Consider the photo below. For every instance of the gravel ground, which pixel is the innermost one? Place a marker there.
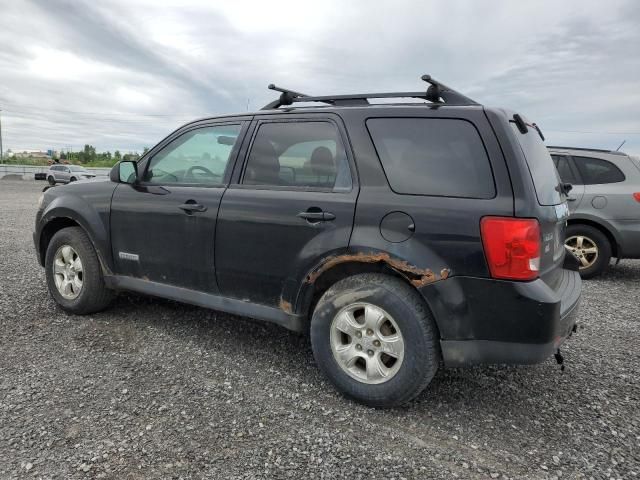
(155, 389)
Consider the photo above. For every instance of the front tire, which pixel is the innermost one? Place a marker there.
(591, 247)
(72, 179)
(51, 180)
(375, 339)
(74, 274)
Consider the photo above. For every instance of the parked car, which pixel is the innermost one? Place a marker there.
(399, 235)
(604, 204)
(59, 173)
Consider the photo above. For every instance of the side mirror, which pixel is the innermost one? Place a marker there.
(124, 172)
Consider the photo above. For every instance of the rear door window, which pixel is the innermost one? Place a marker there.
(433, 156)
(543, 172)
(596, 171)
(307, 155)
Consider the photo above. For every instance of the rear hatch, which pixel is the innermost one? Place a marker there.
(552, 211)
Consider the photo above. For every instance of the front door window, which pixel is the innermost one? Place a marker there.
(197, 157)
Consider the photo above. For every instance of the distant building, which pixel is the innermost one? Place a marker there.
(32, 154)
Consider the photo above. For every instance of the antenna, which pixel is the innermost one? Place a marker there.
(620, 146)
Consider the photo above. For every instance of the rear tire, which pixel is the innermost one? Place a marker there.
(51, 180)
(345, 361)
(591, 247)
(74, 275)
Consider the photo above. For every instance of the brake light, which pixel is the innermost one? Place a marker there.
(512, 247)
(637, 196)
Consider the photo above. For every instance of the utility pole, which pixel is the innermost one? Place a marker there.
(1, 151)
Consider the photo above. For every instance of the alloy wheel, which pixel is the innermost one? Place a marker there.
(367, 343)
(67, 272)
(584, 248)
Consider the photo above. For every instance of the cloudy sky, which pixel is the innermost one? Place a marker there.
(121, 74)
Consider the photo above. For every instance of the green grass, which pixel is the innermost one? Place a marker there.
(39, 162)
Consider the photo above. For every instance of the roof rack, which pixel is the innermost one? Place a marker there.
(436, 93)
(583, 149)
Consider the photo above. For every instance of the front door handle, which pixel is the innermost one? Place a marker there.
(571, 199)
(191, 206)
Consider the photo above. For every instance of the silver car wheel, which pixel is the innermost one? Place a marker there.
(585, 250)
(67, 272)
(367, 343)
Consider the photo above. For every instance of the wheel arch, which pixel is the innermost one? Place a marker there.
(55, 219)
(334, 268)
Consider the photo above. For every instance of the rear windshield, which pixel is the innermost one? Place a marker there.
(433, 156)
(543, 172)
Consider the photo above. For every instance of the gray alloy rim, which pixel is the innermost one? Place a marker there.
(67, 272)
(367, 343)
(585, 250)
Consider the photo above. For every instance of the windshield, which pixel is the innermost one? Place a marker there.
(75, 168)
(543, 172)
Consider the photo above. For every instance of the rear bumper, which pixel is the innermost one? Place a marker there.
(629, 235)
(485, 321)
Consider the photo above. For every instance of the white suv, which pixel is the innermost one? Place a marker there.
(67, 173)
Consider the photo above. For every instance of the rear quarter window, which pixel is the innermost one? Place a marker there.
(433, 156)
(595, 171)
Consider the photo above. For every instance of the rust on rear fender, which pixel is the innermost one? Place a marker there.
(418, 277)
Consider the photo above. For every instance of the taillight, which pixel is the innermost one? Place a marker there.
(512, 247)
(637, 196)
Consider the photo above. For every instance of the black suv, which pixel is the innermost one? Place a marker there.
(401, 236)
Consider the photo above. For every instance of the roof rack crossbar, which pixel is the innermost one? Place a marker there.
(287, 97)
(437, 93)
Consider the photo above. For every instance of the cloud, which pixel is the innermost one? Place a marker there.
(122, 74)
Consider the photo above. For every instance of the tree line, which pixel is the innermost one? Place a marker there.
(88, 155)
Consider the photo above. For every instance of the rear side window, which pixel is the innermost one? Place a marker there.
(433, 156)
(595, 171)
(543, 172)
(307, 155)
(564, 169)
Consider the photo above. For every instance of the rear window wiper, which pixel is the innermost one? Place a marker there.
(538, 130)
(523, 126)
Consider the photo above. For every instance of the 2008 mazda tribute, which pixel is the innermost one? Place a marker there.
(402, 236)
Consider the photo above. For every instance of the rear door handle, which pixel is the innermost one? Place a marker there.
(191, 207)
(317, 216)
(571, 199)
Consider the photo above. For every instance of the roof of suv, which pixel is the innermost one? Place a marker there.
(335, 108)
(582, 149)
